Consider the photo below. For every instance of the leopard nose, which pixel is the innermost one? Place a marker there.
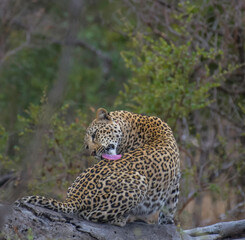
(111, 146)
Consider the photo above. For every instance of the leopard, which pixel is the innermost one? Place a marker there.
(143, 181)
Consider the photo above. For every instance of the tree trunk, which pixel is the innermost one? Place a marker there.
(31, 222)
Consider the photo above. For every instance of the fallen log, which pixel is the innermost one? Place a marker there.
(31, 222)
(222, 230)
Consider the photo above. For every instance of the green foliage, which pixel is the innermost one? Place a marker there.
(27, 72)
(3, 138)
(23, 80)
(214, 188)
(63, 144)
(63, 150)
(30, 234)
(3, 144)
(162, 82)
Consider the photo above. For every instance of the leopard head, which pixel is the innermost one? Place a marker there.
(103, 135)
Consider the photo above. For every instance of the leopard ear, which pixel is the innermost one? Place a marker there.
(102, 114)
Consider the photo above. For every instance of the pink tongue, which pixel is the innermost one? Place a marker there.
(111, 157)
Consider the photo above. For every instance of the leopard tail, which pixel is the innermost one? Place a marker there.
(49, 203)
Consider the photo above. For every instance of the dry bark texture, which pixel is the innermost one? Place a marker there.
(224, 230)
(32, 222)
(41, 224)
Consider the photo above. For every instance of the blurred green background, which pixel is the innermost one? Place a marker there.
(180, 60)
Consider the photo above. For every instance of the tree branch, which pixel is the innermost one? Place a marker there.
(97, 52)
(41, 223)
(219, 231)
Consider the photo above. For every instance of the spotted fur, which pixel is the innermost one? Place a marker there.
(144, 181)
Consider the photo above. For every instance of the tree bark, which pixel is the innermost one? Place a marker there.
(222, 230)
(31, 222)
